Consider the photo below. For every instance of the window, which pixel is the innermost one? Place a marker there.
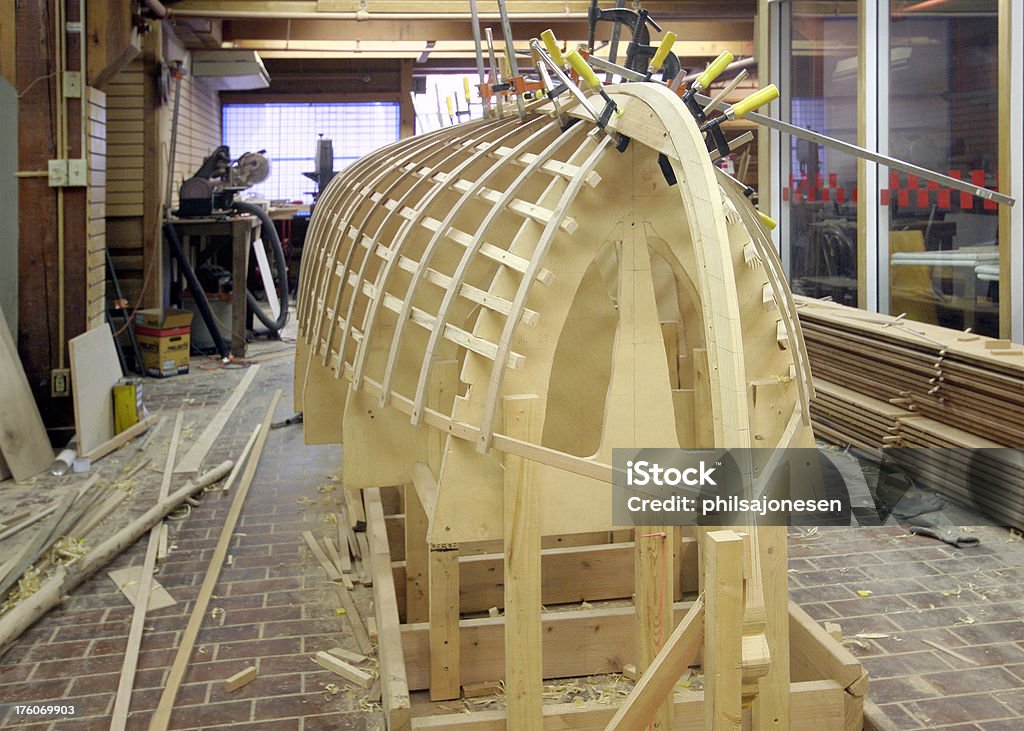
(943, 101)
(820, 222)
(288, 132)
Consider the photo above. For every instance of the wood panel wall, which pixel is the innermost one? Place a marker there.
(124, 141)
(96, 221)
(139, 140)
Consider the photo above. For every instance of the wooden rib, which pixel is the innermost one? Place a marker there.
(534, 212)
(524, 209)
(539, 253)
(347, 185)
(389, 267)
(345, 208)
(455, 148)
(473, 294)
(492, 252)
(505, 129)
(362, 199)
(467, 258)
(452, 333)
(381, 198)
(561, 169)
(370, 320)
(469, 433)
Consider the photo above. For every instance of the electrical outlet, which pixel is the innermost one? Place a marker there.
(60, 382)
(73, 84)
(77, 173)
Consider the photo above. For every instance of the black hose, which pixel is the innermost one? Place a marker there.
(197, 291)
(280, 264)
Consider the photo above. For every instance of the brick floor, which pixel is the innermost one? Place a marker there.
(275, 603)
(967, 600)
(277, 609)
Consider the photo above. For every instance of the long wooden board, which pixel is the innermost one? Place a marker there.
(162, 716)
(23, 442)
(193, 459)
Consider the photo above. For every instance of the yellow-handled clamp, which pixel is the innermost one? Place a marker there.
(767, 221)
(662, 53)
(755, 100)
(713, 71)
(551, 44)
(581, 67)
(465, 87)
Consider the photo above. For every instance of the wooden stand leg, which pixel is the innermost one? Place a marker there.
(771, 710)
(523, 667)
(416, 596)
(723, 631)
(653, 598)
(241, 238)
(444, 621)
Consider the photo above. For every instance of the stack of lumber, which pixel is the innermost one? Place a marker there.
(968, 469)
(883, 382)
(845, 416)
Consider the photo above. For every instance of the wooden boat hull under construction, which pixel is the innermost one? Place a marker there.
(485, 312)
(500, 257)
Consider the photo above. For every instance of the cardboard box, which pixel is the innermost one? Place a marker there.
(164, 339)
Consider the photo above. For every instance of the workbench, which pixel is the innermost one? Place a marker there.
(196, 235)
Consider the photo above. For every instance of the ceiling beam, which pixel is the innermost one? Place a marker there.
(453, 30)
(413, 9)
(698, 49)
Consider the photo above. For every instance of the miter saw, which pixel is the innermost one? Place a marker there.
(211, 191)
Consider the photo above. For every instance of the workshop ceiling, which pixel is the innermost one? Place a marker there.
(438, 30)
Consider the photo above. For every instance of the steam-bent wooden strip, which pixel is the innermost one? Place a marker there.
(431, 248)
(448, 153)
(499, 204)
(545, 242)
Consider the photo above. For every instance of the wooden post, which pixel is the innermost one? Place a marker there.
(653, 599)
(444, 621)
(523, 666)
(443, 601)
(771, 710)
(723, 627)
(242, 237)
(406, 112)
(154, 170)
(416, 597)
